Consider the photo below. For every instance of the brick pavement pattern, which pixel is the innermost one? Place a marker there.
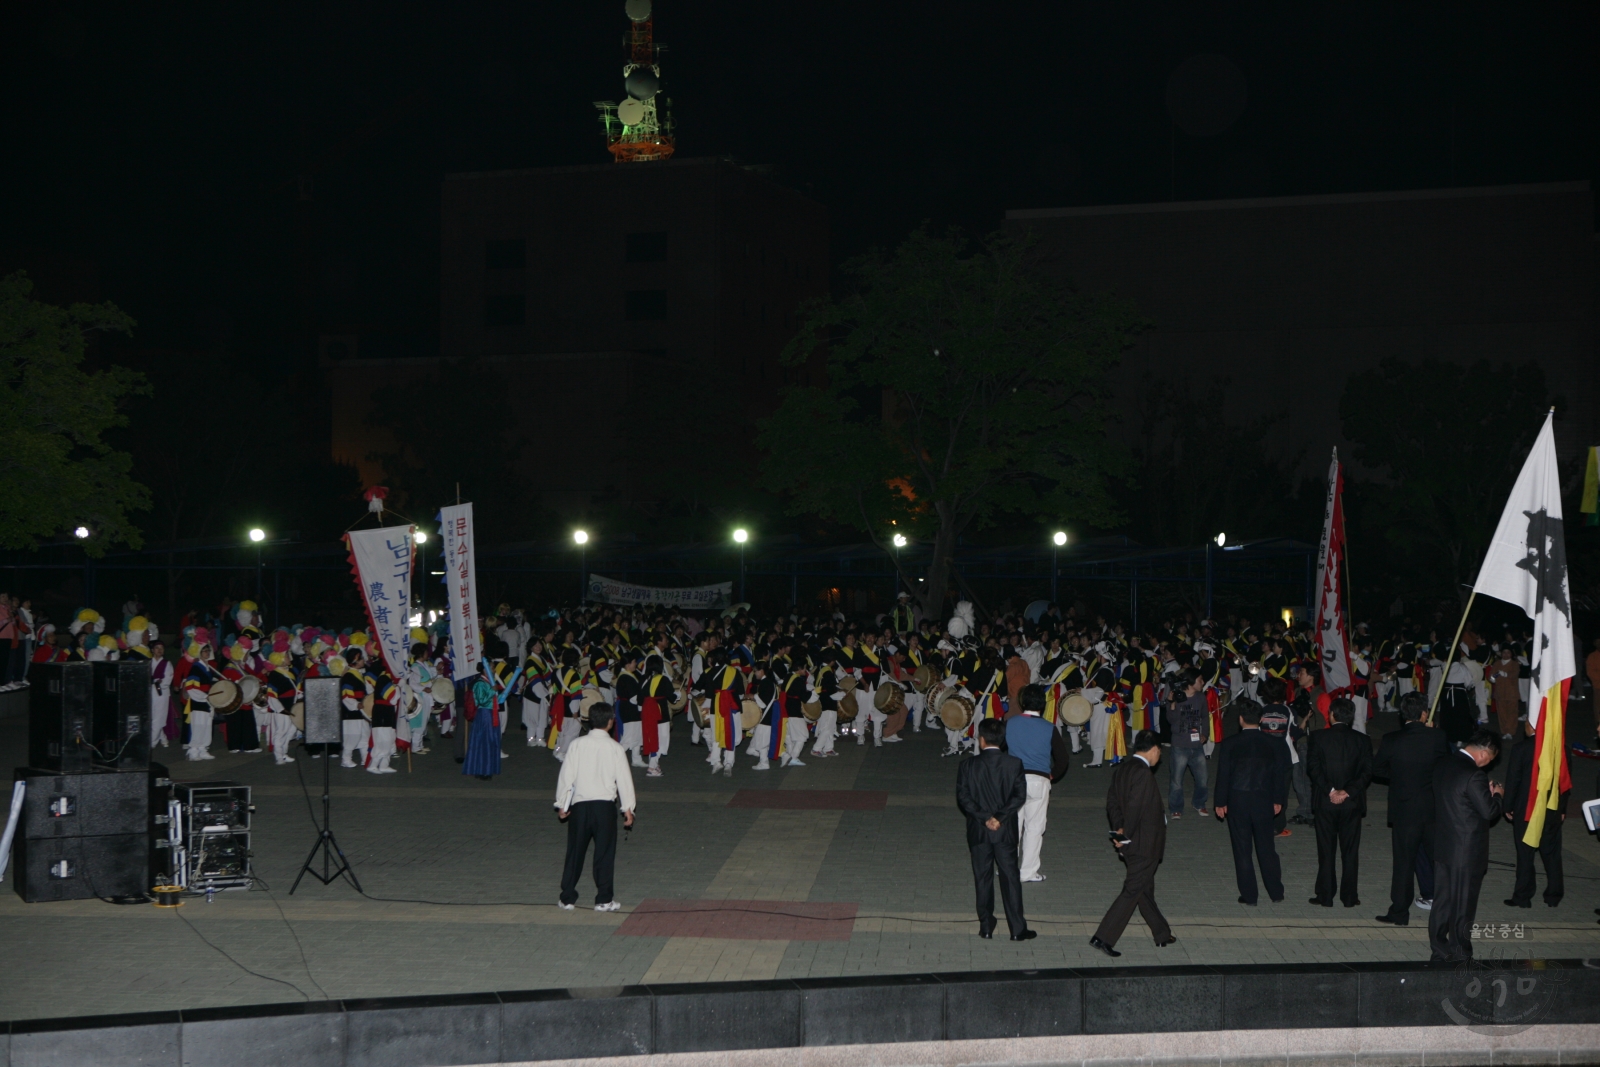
(463, 877)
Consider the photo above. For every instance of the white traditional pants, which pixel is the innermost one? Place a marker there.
(158, 718)
(1361, 713)
(827, 731)
(280, 731)
(632, 742)
(571, 729)
(357, 732)
(760, 745)
(916, 707)
(382, 749)
(199, 734)
(263, 722)
(1099, 722)
(536, 713)
(795, 733)
(1035, 815)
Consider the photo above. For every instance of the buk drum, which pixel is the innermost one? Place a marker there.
(250, 691)
(223, 696)
(298, 714)
(812, 711)
(749, 715)
(443, 690)
(955, 710)
(848, 683)
(1076, 710)
(697, 708)
(889, 698)
(848, 708)
(925, 678)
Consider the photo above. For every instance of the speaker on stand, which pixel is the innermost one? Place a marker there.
(323, 727)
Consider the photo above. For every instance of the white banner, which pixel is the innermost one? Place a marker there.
(1332, 645)
(382, 561)
(603, 590)
(461, 587)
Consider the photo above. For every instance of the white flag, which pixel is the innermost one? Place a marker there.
(461, 587)
(1526, 565)
(1333, 646)
(382, 561)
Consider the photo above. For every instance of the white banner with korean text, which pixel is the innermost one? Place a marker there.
(382, 562)
(603, 590)
(461, 587)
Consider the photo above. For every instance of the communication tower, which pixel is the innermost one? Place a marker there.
(639, 129)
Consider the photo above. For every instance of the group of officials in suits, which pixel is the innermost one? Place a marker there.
(1441, 807)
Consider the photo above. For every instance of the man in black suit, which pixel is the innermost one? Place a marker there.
(990, 790)
(1407, 759)
(1252, 788)
(1339, 764)
(1519, 780)
(1139, 827)
(1465, 805)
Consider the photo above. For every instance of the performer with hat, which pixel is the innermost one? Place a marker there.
(355, 722)
(282, 692)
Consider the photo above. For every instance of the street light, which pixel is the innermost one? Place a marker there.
(1057, 540)
(420, 539)
(740, 536)
(899, 542)
(581, 539)
(258, 535)
(1221, 539)
(81, 533)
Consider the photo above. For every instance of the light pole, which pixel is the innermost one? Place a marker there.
(1057, 539)
(258, 535)
(740, 536)
(421, 539)
(1220, 541)
(899, 543)
(581, 539)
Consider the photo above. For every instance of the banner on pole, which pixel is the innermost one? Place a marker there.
(1526, 565)
(603, 590)
(1333, 643)
(382, 562)
(461, 587)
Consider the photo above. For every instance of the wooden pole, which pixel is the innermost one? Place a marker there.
(1433, 707)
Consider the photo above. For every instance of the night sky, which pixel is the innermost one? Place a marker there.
(157, 152)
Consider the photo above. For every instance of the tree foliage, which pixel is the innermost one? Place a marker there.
(56, 470)
(961, 383)
(1443, 443)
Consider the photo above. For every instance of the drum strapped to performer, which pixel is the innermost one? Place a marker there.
(954, 710)
(889, 698)
(223, 696)
(298, 714)
(251, 691)
(812, 710)
(443, 690)
(848, 708)
(924, 678)
(749, 715)
(1075, 709)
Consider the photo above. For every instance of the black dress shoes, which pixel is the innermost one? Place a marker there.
(1249, 902)
(986, 932)
(1095, 942)
(1319, 902)
(1026, 935)
(1519, 904)
(1392, 920)
(1356, 903)
(1171, 940)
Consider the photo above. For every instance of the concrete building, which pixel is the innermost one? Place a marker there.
(1288, 295)
(596, 290)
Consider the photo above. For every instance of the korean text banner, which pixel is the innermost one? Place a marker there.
(382, 561)
(461, 587)
(603, 590)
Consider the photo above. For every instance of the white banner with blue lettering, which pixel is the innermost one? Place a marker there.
(382, 560)
(461, 587)
(603, 590)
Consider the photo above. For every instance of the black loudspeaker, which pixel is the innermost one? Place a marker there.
(60, 716)
(121, 728)
(79, 868)
(83, 805)
(322, 712)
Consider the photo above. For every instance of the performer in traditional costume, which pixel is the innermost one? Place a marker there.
(198, 679)
(354, 714)
(281, 692)
(627, 721)
(483, 739)
(723, 683)
(655, 708)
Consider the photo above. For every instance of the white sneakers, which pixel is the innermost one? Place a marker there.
(610, 905)
(566, 907)
(1425, 903)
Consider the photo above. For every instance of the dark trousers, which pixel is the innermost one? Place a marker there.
(591, 820)
(1250, 822)
(1412, 844)
(1138, 891)
(988, 859)
(1455, 908)
(1338, 838)
(1549, 849)
(458, 723)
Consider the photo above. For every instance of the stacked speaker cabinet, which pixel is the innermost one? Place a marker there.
(86, 812)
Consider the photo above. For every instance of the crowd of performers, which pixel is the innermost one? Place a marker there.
(781, 689)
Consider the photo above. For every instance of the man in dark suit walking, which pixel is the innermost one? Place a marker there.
(1339, 764)
(990, 790)
(1139, 834)
(1465, 805)
(1519, 779)
(1407, 759)
(1252, 788)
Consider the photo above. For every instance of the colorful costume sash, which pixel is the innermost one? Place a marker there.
(724, 706)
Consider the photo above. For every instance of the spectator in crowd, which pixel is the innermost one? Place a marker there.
(1519, 782)
(1339, 765)
(1191, 728)
(1466, 803)
(1252, 788)
(1408, 759)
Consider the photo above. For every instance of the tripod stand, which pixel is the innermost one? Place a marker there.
(326, 843)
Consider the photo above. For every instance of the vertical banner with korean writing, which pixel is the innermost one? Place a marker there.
(1333, 644)
(382, 560)
(461, 587)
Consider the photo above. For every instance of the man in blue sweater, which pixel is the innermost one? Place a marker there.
(1044, 754)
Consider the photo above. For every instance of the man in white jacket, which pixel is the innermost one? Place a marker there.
(595, 781)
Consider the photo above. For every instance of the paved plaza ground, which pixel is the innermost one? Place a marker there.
(848, 866)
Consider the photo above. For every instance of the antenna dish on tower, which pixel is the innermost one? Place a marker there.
(642, 83)
(631, 112)
(638, 10)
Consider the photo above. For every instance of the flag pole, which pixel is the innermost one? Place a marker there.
(1462, 625)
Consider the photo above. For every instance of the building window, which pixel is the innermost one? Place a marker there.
(647, 248)
(510, 254)
(505, 309)
(645, 305)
